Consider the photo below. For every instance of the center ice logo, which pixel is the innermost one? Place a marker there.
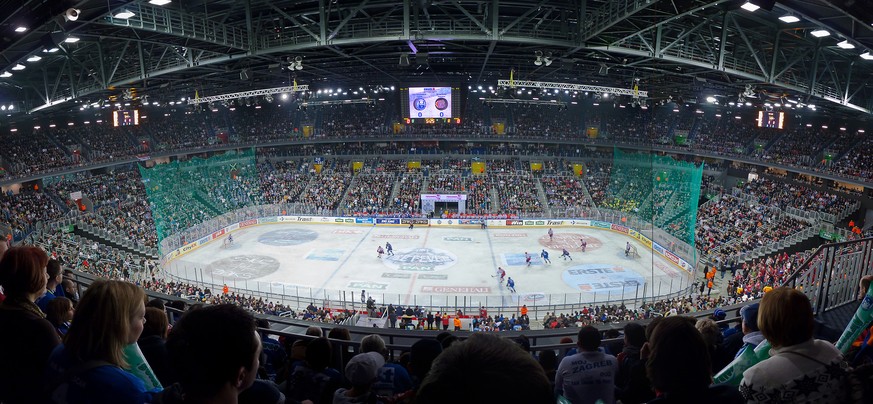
(242, 267)
(287, 237)
(596, 278)
(421, 260)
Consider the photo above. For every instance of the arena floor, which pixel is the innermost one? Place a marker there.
(432, 266)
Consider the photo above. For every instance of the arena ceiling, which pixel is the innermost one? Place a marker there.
(689, 49)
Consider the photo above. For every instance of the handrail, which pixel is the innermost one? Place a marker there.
(830, 275)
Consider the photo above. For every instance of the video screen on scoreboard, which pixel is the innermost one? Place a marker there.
(430, 102)
(125, 117)
(771, 119)
(423, 104)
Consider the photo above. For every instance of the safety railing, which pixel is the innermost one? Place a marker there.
(830, 276)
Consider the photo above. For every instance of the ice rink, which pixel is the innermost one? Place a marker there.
(431, 266)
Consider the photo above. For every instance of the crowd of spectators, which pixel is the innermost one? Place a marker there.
(517, 193)
(857, 162)
(354, 120)
(370, 193)
(408, 198)
(548, 121)
(24, 210)
(282, 180)
(35, 151)
(798, 146)
(771, 193)
(565, 192)
(728, 226)
(32, 153)
(325, 190)
(757, 276)
(729, 137)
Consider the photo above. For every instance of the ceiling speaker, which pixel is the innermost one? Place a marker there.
(72, 14)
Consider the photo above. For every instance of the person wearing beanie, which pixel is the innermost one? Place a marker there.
(751, 334)
(361, 372)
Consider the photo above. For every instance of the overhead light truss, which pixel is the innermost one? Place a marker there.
(250, 93)
(573, 87)
(524, 102)
(337, 102)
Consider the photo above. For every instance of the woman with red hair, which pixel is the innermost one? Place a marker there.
(26, 337)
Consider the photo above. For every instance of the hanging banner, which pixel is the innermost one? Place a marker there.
(478, 167)
(592, 132)
(578, 169)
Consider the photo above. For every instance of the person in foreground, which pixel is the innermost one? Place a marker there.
(215, 352)
(800, 369)
(90, 367)
(466, 370)
(679, 365)
(26, 337)
(588, 376)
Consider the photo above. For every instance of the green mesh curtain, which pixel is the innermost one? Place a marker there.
(657, 189)
(183, 194)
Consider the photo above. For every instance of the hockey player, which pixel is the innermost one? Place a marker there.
(500, 274)
(545, 255)
(389, 248)
(380, 251)
(551, 234)
(627, 249)
(527, 258)
(510, 284)
(584, 244)
(566, 255)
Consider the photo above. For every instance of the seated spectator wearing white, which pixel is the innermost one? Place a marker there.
(393, 378)
(485, 369)
(679, 365)
(90, 367)
(361, 372)
(800, 369)
(26, 337)
(588, 376)
(215, 353)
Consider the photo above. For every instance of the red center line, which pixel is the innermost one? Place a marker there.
(409, 292)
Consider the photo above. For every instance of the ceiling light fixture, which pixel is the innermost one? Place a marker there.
(71, 39)
(159, 2)
(820, 33)
(750, 7)
(5, 75)
(124, 14)
(18, 67)
(34, 58)
(866, 56)
(20, 29)
(788, 18)
(845, 45)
